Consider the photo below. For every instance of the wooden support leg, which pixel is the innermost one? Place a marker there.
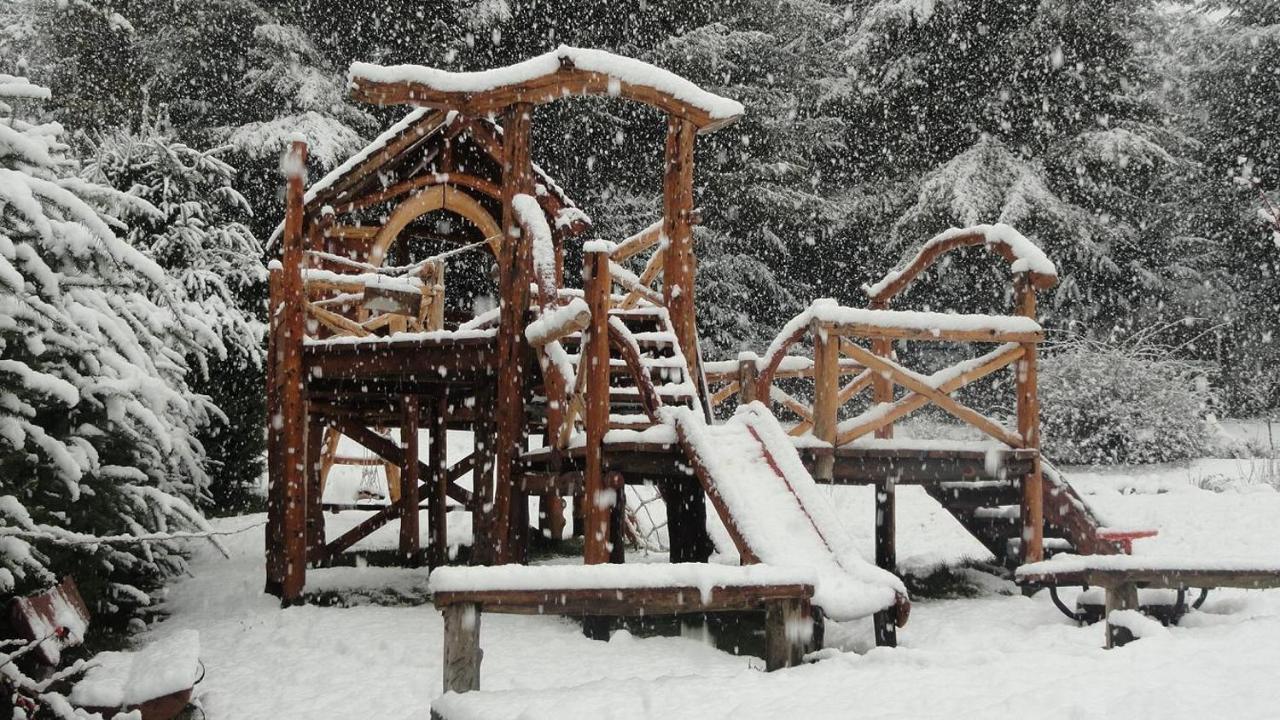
(409, 538)
(1033, 515)
(483, 544)
(788, 630)
(438, 498)
(886, 524)
(1120, 597)
(462, 653)
(886, 628)
(686, 521)
(579, 514)
(315, 473)
(551, 516)
(617, 518)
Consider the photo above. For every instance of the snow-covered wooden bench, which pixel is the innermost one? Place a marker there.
(1122, 575)
(156, 681)
(462, 593)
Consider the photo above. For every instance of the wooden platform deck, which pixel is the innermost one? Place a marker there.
(859, 464)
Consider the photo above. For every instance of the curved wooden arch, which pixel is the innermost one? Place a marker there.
(533, 82)
(435, 197)
(933, 251)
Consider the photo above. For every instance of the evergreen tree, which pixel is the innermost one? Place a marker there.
(97, 421)
(200, 238)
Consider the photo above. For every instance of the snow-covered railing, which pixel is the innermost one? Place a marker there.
(1028, 263)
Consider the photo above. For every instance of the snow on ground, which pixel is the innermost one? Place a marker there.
(997, 655)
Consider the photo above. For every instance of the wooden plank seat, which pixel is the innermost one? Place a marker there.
(1122, 575)
(463, 593)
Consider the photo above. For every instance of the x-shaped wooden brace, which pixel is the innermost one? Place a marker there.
(924, 393)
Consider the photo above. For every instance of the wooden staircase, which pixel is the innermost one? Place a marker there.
(646, 335)
(990, 510)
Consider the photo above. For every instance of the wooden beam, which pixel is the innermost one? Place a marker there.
(438, 483)
(678, 291)
(355, 534)
(594, 366)
(409, 517)
(515, 269)
(461, 647)
(1025, 385)
(392, 454)
(565, 82)
(289, 378)
(826, 390)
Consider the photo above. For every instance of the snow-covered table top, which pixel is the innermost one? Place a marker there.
(1105, 570)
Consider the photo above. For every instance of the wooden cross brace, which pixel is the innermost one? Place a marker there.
(924, 393)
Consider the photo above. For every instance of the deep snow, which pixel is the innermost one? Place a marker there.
(996, 655)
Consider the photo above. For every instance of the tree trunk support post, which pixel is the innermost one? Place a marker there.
(409, 515)
(826, 390)
(1029, 428)
(788, 631)
(595, 363)
(679, 263)
(881, 384)
(287, 486)
(515, 266)
(462, 653)
(1123, 596)
(315, 485)
(438, 499)
(748, 374)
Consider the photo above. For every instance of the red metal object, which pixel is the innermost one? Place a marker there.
(1126, 537)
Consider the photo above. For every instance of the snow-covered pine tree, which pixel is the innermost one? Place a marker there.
(1231, 103)
(772, 228)
(199, 238)
(97, 421)
(1029, 113)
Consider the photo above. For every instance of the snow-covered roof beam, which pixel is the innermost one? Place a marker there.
(563, 72)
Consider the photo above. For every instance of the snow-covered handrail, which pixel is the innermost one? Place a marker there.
(1022, 254)
(562, 72)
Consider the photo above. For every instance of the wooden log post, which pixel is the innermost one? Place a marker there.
(595, 363)
(1028, 402)
(462, 653)
(748, 373)
(438, 498)
(274, 532)
(617, 518)
(788, 631)
(679, 264)
(1122, 596)
(826, 392)
(409, 517)
(315, 486)
(515, 267)
(289, 422)
(686, 520)
(486, 442)
(881, 383)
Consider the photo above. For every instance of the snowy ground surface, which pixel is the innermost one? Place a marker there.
(995, 655)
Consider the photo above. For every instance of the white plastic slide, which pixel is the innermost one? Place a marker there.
(775, 513)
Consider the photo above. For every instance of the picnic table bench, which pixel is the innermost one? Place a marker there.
(1122, 575)
(463, 593)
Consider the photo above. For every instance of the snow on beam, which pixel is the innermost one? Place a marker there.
(1023, 255)
(561, 72)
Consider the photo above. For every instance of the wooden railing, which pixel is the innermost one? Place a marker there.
(853, 352)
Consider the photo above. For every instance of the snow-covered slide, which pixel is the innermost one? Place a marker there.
(775, 513)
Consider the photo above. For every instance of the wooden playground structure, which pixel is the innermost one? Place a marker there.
(609, 376)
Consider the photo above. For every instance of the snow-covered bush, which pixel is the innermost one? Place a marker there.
(97, 421)
(1121, 403)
